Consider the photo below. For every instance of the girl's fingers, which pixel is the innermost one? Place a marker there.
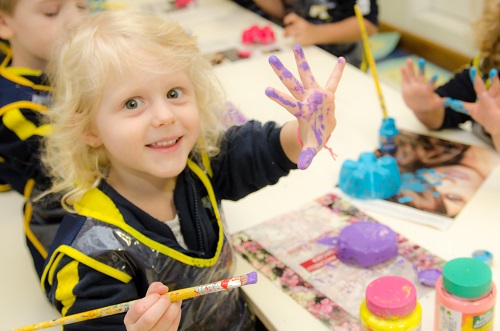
(139, 308)
(336, 75)
(305, 73)
(154, 313)
(305, 158)
(293, 106)
(171, 318)
(157, 287)
(292, 84)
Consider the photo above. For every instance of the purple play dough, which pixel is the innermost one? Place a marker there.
(366, 244)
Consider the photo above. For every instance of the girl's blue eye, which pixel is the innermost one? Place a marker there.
(133, 103)
(174, 93)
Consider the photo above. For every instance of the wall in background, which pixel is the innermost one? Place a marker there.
(443, 22)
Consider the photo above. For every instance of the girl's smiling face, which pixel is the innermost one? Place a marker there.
(148, 123)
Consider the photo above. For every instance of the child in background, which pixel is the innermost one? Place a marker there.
(456, 101)
(28, 31)
(139, 151)
(329, 24)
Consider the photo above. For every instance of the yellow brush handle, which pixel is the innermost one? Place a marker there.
(369, 57)
(182, 294)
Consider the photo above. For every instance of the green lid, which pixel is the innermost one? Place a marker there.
(467, 277)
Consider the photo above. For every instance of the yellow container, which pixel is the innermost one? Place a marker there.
(390, 304)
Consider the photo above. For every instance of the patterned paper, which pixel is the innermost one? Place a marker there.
(297, 251)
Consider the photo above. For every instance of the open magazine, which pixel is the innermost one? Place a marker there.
(438, 178)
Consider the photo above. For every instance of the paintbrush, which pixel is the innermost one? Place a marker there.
(369, 57)
(182, 294)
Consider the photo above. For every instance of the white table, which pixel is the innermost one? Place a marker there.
(245, 81)
(356, 98)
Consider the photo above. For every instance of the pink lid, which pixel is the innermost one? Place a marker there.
(391, 297)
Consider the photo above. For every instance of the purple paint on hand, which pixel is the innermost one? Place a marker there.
(306, 157)
(273, 60)
(298, 51)
(305, 66)
(273, 95)
(315, 99)
(286, 73)
(299, 89)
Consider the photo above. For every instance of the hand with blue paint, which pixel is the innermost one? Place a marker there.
(486, 109)
(312, 105)
(419, 95)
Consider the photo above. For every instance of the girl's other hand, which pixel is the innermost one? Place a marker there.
(154, 312)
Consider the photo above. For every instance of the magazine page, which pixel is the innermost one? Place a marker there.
(438, 178)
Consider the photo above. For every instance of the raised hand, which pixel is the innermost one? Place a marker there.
(154, 312)
(486, 109)
(418, 93)
(311, 104)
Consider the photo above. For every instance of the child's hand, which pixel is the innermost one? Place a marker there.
(302, 31)
(486, 109)
(311, 104)
(154, 312)
(418, 94)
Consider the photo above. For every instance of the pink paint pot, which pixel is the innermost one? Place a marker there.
(390, 304)
(465, 296)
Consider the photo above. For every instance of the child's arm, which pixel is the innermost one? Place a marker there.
(154, 311)
(420, 97)
(274, 8)
(486, 109)
(307, 33)
(311, 104)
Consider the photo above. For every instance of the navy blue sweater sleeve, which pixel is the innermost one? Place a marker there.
(251, 158)
(20, 150)
(459, 87)
(92, 290)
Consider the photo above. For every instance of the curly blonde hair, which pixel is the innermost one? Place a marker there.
(105, 45)
(487, 31)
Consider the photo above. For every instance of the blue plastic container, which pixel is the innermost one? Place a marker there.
(369, 177)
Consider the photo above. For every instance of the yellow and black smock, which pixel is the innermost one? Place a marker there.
(111, 251)
(24, 96)
(460, 87)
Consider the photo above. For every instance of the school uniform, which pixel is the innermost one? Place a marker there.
(24, 96)
(110, 251)
(333, 11)
(460, 87)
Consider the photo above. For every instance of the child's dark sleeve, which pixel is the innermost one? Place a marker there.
(251, 158)
(20, 138)
(459, 87)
